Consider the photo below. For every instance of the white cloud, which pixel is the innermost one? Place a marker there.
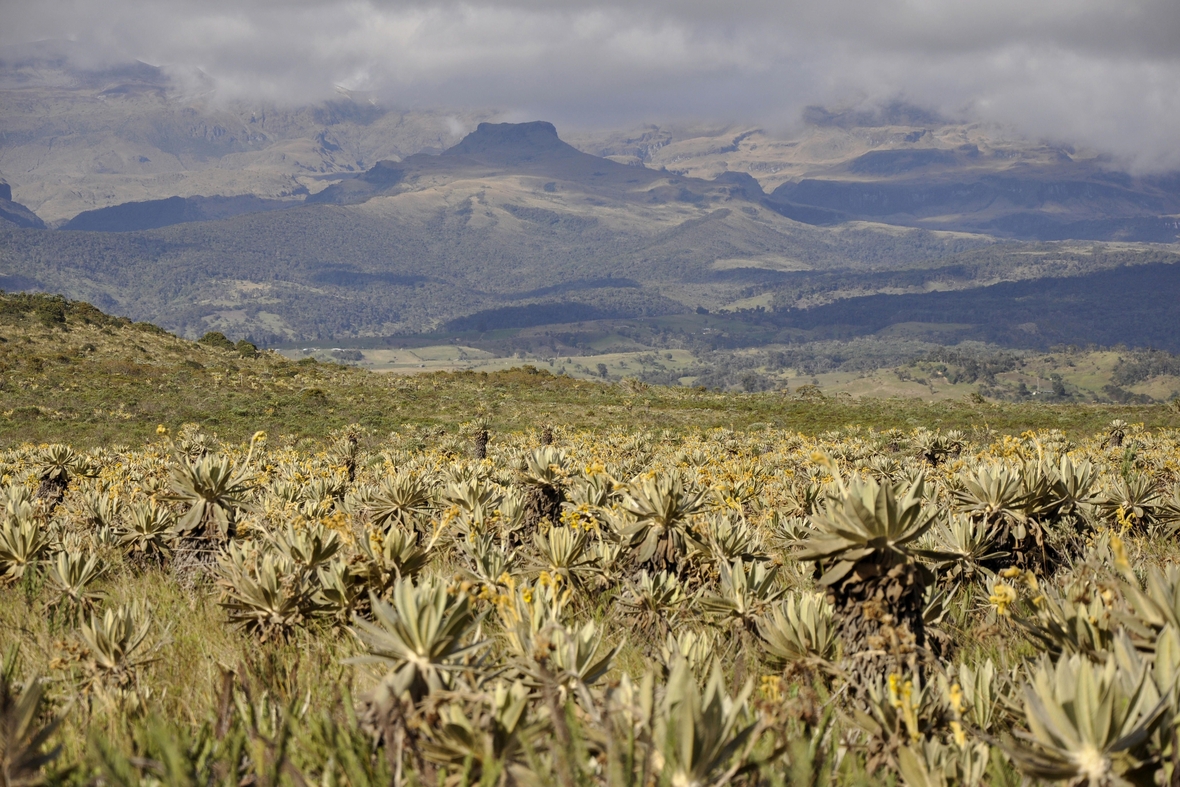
(1091, 72)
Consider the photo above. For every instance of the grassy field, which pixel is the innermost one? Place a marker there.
(92, 380)
(225, 567)
(889, 365)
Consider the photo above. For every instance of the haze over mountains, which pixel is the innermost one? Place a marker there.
(75, 139)
(351, 219)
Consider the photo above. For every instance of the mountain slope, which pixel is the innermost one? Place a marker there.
(72, 372)
(412, 245)
(76, 137)
(905, 166)
(1128, 305)
(14, 212)
(153, 214)
(1067, 201)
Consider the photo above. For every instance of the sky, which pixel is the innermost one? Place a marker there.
(1103, 74)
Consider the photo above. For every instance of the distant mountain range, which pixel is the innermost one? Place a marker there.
(964, 190)
(511, 223)
(74, 140)
(351, 219)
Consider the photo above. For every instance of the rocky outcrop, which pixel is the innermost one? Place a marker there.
(514, 143)
(14, 212)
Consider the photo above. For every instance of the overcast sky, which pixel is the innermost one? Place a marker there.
(1100, 73)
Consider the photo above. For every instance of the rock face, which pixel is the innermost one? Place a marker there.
(514, 143)
(14, 212)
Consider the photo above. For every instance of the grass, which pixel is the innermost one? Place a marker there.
(91, 381)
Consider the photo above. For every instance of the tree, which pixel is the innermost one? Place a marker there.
(218, 340)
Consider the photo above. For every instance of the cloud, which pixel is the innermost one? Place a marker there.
(1093, 73)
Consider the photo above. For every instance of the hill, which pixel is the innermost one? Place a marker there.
(152, 214)
(68, 370)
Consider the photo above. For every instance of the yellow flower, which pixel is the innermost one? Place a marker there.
(772, 688)
(894, 679)
(161, 430)
(1010, 573)
(901, 696)
(956, 698)
(1003, 596)
(1126, 520)
(958, 734)
(1121, 562)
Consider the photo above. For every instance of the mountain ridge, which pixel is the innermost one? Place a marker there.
(423, 242)
(153, 214)
(14, 212)
(125, 133)
(410, 225)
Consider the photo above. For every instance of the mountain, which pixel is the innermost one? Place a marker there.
(152, 214)
(510, 227)
(904, 166)
(76, 137)
(14, 212)
(1132, 305)
(84, 138)
(496, 150)
(968, 190)
(350, 219)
